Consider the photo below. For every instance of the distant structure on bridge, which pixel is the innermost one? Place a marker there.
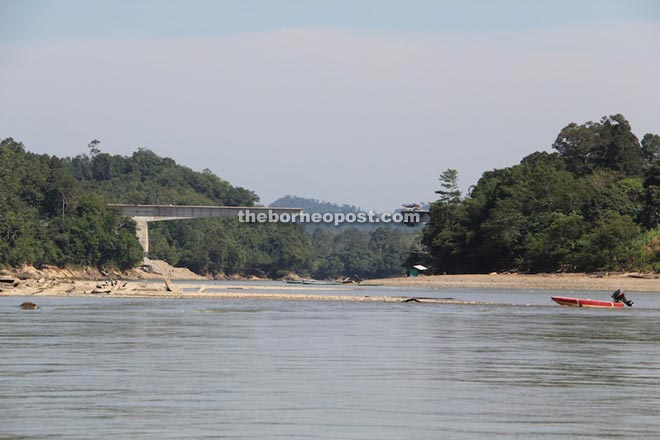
(143, 214)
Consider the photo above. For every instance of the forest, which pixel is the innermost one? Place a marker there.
(53, 211)
(592, 204)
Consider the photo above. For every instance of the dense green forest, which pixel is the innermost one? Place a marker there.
(593, 204)
(49, 216)
(225, 246)
(53, 211)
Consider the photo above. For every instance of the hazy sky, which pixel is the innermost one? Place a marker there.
(362, 102)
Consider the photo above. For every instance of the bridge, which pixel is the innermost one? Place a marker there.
(143, 214)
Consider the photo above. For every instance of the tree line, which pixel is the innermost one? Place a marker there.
(54, 211)
(49, 217)
(593, 204)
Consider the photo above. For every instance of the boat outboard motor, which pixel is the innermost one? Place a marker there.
(619, 296)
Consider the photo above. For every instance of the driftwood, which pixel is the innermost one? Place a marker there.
(7, 282)
(425, 299)
(109, 286)
(48, 285)
(171, 287)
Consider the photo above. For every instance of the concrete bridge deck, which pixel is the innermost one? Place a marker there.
(143, 214)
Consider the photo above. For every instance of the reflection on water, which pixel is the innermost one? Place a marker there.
(100, 367)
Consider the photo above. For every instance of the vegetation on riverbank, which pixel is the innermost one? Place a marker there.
(593, 204)
(49, 216)
(53, 211)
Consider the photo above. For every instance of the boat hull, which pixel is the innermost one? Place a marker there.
(582, 302)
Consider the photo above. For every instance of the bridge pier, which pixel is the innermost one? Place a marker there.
(142, 232)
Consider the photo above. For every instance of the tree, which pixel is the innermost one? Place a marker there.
(449, 183)
(651, 210)
(93, 147)
(577, 144)
(651, 147)
(553, 241)
(623, 152)
(609, 144)
(609, 245)
(440, 237)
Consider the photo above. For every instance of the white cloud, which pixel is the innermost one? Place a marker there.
(364, 118)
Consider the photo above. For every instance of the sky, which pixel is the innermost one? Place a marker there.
(363, 102)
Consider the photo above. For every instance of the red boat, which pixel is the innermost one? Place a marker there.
(581, 302)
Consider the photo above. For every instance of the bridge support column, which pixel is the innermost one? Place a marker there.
(142, 232)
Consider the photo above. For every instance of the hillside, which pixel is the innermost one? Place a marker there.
(48, 216)
(53, 211)
(592, 205)
(145, 177)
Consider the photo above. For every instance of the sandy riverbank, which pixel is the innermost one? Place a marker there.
(633, 282)
(148, 270)
(168, 290)
(158, 287)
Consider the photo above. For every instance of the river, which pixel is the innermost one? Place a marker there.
(81, 368)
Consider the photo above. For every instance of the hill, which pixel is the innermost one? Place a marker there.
(48, 216)
(313, 205)
(53, 211)
(592, 205)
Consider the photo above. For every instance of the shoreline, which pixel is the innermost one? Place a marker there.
(169, 290)
(196, 289)
(633, 282)
(154, 271)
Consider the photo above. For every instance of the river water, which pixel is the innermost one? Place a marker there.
(81, 368)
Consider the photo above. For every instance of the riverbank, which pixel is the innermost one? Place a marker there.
(153, 281)
(149, 270)
(633, 282)
(169, 290)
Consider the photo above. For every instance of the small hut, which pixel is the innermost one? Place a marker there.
(416, 270)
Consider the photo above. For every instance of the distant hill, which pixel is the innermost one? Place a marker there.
(370, 250)
(313, 205)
